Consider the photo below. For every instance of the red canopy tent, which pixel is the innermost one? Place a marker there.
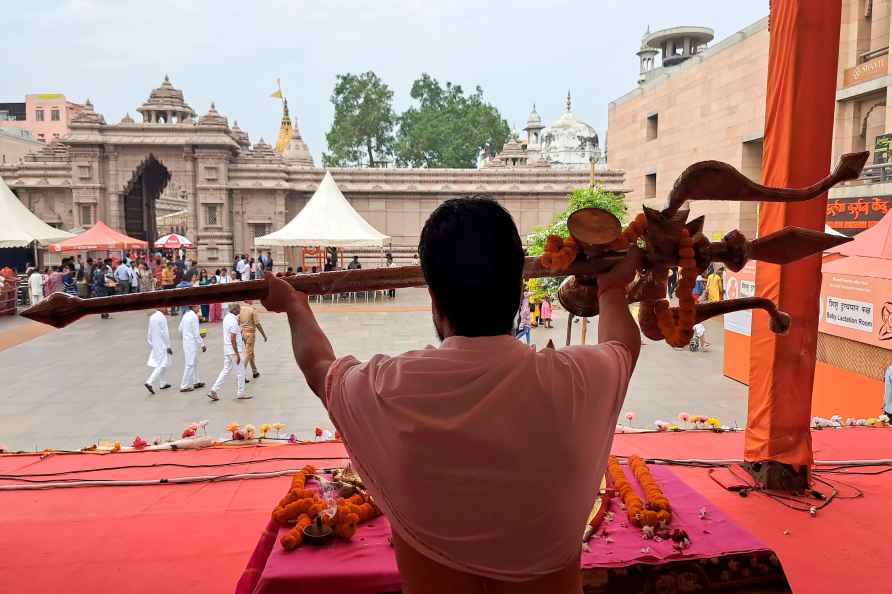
(99, 237)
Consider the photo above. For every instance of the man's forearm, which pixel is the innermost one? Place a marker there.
(312, 350)
(615, 322)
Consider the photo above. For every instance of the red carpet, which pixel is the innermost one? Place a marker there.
(197, 538)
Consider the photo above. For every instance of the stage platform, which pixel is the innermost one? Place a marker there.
(199, 537)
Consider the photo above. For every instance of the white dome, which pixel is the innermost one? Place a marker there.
(570, 141)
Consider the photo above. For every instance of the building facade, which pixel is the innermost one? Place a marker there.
(707, 103)
(44, 115)
(862, 120)
(711, 105)
(15, 144)
(133, 174)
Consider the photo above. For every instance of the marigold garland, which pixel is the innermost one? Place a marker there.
(656, 512)
(303, 505)
(559, 252)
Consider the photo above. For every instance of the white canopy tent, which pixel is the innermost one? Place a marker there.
(327, 220)
(19, 227)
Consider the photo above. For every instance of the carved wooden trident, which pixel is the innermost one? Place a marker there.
(595, 232)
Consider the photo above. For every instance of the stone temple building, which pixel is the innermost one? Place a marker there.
(569, 143)
(205, 175)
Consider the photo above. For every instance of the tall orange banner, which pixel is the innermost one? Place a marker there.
(799, 114)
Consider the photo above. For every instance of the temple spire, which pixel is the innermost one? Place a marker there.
(568, 100)
(285, 129)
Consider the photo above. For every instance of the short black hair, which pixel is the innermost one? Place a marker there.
(472, 261)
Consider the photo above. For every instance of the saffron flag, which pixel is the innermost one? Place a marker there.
(277, 94)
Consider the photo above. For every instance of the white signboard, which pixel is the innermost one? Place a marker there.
(848, 313)
(739, 321)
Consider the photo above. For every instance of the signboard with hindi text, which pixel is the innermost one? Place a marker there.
(858, 308)
(850, 216)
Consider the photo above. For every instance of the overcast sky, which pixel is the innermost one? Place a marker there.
(115, 51)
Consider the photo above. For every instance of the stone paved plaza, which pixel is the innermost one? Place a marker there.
(69, 388)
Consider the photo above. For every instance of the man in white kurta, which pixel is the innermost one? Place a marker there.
(159, 357)
(233, 355)
(192, 341)
(35, 287)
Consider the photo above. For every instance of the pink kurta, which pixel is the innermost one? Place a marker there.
(484, 454)
(546, 310)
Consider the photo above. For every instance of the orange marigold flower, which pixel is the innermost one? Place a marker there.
(553, 243)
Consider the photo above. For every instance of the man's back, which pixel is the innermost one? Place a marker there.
(472, 430)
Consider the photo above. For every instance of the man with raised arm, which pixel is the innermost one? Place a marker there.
(454, 441)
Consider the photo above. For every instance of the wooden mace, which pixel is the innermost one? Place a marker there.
(61, 309)
(594, 229)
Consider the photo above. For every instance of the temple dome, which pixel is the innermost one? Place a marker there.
(213, 118)
(570, 141)
(534, 117)
(88, 116)
(240, 136)
(166, 104)
(261, 147)
(297, 150)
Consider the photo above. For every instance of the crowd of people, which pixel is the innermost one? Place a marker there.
(239, 329)
(134, 273)
(707, 289)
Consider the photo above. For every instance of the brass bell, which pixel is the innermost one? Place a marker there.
(579, 296)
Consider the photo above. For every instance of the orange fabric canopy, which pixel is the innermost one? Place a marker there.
(875, 242)
(799, 112)
(860, 266)
(99, 237)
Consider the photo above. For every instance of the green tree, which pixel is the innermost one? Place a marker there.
(447, 128)
(580, 198)
(362, 130)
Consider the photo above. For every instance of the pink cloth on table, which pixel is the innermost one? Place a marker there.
(366, 564)
(712, 536)
(450, 440)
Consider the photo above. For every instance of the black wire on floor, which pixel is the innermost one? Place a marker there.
(25, 477)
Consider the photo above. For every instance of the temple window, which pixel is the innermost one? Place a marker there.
(653, 126)
(211, 214)
(38, 115)
(650, 186)
(54, 115)
(86, 214)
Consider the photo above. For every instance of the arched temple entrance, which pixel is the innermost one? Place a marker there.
(139, 197)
